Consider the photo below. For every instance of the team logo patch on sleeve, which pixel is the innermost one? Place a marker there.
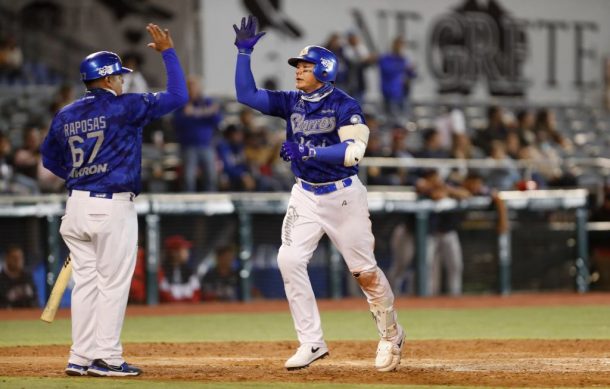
(355, 119)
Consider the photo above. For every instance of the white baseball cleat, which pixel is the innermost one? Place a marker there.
(388, 353)
(305, 355)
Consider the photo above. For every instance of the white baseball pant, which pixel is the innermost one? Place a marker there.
(102, 237)
(344, 216)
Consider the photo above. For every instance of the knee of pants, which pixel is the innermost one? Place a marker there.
(289, 260)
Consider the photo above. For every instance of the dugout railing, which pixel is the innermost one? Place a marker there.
(245, 207)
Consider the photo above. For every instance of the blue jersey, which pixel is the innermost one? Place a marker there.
(95, 143)
(315, 123)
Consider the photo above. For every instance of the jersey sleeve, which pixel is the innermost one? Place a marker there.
(349, 112)
(146, 107)
(53, 152)
(275, 103)
(281, 103)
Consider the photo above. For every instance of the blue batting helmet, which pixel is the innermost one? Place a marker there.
(325, 62)
(101, 64)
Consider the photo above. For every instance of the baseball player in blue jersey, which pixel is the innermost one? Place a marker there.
(95, 145)
(325, 140)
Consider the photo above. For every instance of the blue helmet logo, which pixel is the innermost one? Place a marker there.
(325, 62)
(101, 64)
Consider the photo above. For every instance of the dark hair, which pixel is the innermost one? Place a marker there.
(428, 134)
(521, 114)
(13, 247)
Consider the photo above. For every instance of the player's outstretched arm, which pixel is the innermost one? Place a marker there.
(176, 94)
(245, 87)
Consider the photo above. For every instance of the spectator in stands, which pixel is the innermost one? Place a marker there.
(177, 280)
(10, 181)
(11, 59)
(261, 154)
(432, 147)
(526, 121)
(496, 129)
(450, 124)
(506, 177)
(221, 283)
(196, 124)
(553, 146)
(134, 82)
(443, 247)
(549, 139)
(374, 148)
(27, 157)
(17, 289)
(64, 96)
(236, 174)
(397, 71)
(6, 164)
(462, 148)
(474, 184)
(358, 59)
(513, 144)
(539, 170)
(399, 149)
(335, 44)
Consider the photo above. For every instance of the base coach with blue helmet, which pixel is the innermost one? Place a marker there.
(95, 144)
(325, 140)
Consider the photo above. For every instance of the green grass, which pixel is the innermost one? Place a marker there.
(62, 383)
(585, 322)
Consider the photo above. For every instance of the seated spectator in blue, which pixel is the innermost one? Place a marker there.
(506, 176)
(397, 71)
(17, 288)
(177, 279)
(236, 175)
(196, 124)
(221, 283)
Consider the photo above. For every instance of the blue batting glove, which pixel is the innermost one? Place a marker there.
(292, 151)
(246, 36)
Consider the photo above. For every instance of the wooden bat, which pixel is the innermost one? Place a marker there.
(58, 291)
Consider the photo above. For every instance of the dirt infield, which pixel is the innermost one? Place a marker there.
(492, 363)
(531, 363)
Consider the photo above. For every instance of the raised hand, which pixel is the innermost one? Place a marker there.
(161, 38)
(291, 151)
(246, 36)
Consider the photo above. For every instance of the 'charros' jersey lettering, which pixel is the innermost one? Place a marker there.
(312, 126)
(85, 125)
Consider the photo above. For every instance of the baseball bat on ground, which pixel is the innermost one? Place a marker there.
(58, 291)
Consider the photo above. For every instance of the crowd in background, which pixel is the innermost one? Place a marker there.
(203, 148)
(210, 146)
